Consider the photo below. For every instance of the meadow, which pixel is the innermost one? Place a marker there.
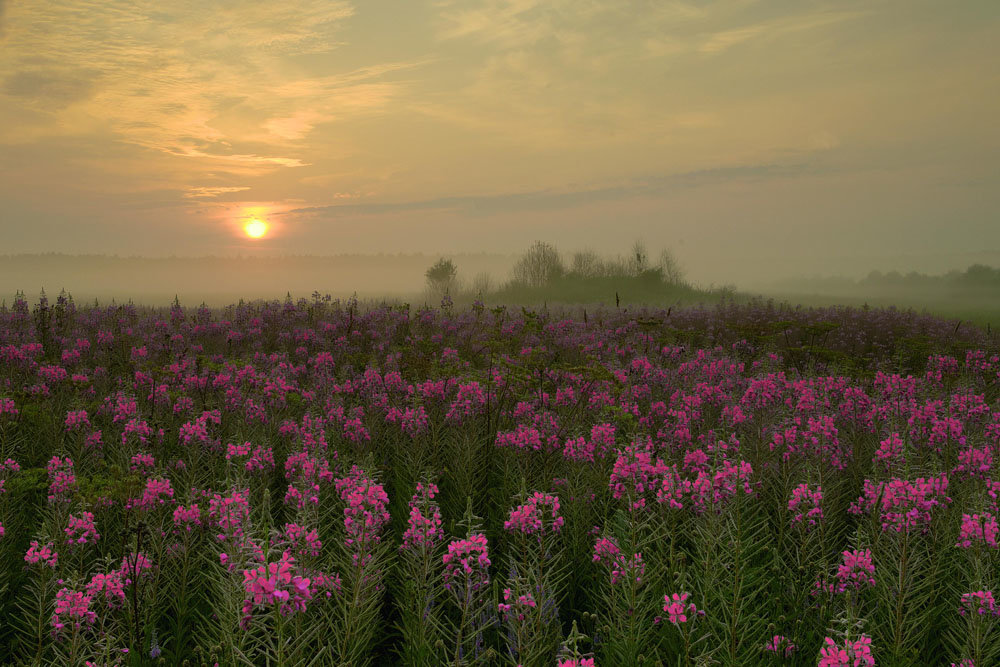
(321, 482)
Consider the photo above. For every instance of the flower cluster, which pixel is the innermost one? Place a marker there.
(157, 492)
(229, 513)
(62, 479)
(806, 502)
(979, 528)
(111, 585)
(781, 646)
(903, 505)
(621, 566)
(306, 542)
(980, 602)
(45, 555)
(467, 562)
(539, 515)
(853, 654)
(81, 530)
(187, 517)
(677, 608)
(856, 571)
(365, 514)
(516, 609)
(73, 608)
(424, 525)
(275, 584)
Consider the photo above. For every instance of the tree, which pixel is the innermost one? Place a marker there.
(539, 266)
(482, 284)
(586, 264)
(441, 276)
(671, 268)
(639, 257)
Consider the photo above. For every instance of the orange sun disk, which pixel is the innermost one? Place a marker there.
(255, 229)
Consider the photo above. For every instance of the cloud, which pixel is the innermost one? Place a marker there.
(208, 192)
(551, 199)
(211, 83)
(51, 87)
(721, 41)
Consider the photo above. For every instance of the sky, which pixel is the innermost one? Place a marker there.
(755, 139)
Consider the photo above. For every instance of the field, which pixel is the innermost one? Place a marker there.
(326, 483)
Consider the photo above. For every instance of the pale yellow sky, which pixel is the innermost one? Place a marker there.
(753, 137)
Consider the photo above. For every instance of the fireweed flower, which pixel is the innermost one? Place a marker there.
(856, 571)
(807, 505)
(76, 419)
(469, 402)
(306, 542)
(903, 505)
(890, 451)
(635, 474)
(111, 585)
(143, 463)
(573, 662)
(853, 654)
(72, 608)
(275, 584)
(157, 492)
(424, 525)
(305, 473)
(980, 602)
(780, 645)
(539, 515)
(39, 554)
(620, 566)
(365, 515)
(135, 565)
(516, 608)
(187, 517)
(467, 563)
(229, 513)
(62, 480)
(81, 530)
(677, 608)
(980, 528)
(974, 463)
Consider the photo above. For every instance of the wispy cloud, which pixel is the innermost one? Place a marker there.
(214, 84)
(723, 40)
(209, 192)
(551, 199)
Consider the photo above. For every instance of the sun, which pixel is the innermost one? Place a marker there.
(255, 229)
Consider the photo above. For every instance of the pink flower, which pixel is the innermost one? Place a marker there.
(38, 554)
(62, 480)
(539, 514)
(980, 602)
(780, 645)
(807, 503)
(186, 517)
(72, 607)
(853, 654)
(676, 609)
(980, 528)
(424, 525)
(467, 561)
(81, 530)
(111, 584)
(275, 584)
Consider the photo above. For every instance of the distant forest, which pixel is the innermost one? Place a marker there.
(977, 277)
(219, 281)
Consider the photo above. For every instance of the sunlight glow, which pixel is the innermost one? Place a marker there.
(255, 229)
